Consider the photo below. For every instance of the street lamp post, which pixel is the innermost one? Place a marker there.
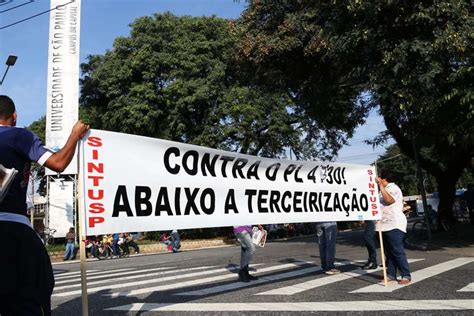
(11, 60)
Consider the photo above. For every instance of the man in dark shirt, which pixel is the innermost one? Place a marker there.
(25, 269)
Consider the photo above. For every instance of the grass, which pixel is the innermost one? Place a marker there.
(55, 247)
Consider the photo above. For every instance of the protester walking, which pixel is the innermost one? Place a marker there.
(369, 238)
(69, 253)
(394, 227)
(326, 232)
(247, 250)
(25, 269)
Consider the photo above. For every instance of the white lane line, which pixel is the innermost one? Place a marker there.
(121, 278)
(264, 279)
(468, 288)
(70, 278)
(113, 275)
(201, 281)
(143, 282)
(417, 276)
(58, 273)
(340, 306)
(239, 285)
(312, 284)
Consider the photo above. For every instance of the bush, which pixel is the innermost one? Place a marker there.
(153, 235)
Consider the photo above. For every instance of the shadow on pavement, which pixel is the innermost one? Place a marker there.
(460, 239)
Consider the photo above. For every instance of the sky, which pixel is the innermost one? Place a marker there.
(101, 22)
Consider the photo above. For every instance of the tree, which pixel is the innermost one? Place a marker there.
(174, 78)
(404, 172)
(410, 59)
(39, 128)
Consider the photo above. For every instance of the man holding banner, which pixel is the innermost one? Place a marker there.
(244, 236)
(25, 269)
(326, 232)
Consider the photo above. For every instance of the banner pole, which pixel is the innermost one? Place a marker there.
(82, 246)
(382, 255)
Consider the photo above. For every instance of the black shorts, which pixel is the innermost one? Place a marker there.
(26, 275)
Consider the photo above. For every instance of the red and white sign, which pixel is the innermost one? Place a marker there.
(135, 183)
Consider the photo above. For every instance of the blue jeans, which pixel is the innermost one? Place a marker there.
(327, 245)
(247, 248)
(396, 259)
(69, 250)
(115, 247)
(369, 238)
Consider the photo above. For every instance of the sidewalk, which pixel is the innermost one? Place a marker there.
(460, 243)
(186, 245)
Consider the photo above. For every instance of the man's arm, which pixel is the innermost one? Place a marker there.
(61, 159)
(387, 198)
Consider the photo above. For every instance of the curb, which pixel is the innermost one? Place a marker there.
(152, 249)
(159, 248)
(135, 255)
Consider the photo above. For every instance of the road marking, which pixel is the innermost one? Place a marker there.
(468, 288)
(339, 306)
(58, 273)
(131, 277)
(143, 282)
(312, 284)
(417, 276)
(111, 274)
(201, 281)
(238, 285)
(69, 278)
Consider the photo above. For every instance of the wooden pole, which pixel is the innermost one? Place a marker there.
(85, 301)
(32, 209)
(82, 246)
(382, 254)
(382, 251)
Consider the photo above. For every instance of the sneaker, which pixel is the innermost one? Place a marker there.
(369, 266)
(243, 277)
(251, 277)
(332, 271)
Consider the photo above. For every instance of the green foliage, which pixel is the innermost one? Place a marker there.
(404, 171)
(190, 234)
(174, 78)
(39, 128)
(155, 235)
(412, 60)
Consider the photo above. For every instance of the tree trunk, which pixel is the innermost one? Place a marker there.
(447, 193)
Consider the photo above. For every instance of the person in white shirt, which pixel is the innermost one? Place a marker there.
(394, 227)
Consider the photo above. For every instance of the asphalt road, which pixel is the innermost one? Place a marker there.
(203, 282)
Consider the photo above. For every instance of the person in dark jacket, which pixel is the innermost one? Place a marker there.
(26, 275)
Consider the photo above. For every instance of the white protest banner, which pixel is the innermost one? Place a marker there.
(62, 104)
(135, 183)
